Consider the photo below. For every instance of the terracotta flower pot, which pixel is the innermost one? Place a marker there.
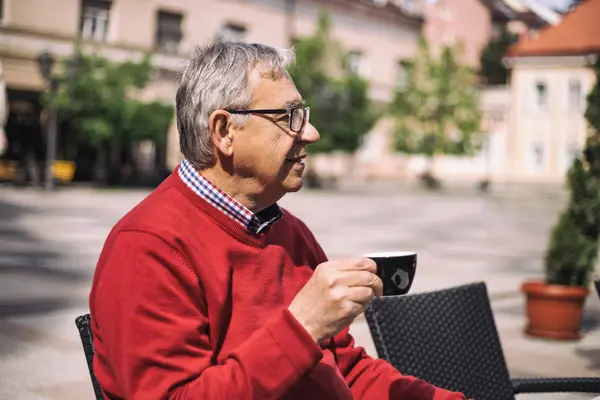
(554, 311)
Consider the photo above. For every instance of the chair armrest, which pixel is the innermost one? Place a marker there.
(555, 385)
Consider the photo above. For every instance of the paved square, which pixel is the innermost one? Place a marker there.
(49, 244)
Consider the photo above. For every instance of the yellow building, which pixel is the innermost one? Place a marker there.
(550, 79)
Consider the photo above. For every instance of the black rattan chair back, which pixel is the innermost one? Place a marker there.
(85, 333)
(447, 338)
(597, 284)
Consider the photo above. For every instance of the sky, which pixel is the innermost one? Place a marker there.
(559, 4)
(555, 4)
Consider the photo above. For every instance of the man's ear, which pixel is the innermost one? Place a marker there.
(220, 132)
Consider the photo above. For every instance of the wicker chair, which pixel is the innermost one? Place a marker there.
(597, 284)
(85, 333)
(449, 338)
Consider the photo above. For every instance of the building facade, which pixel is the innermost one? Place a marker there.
(551, 77)
(475, 22)
(534, 126)
(446, 24)
(378, 35)
(472, 23)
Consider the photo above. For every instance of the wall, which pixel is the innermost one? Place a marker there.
(56, 17)
(558, 129)
(32, 26)
(466, 21)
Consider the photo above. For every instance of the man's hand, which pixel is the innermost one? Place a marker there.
(337, 292)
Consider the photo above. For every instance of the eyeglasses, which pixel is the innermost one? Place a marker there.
(297, 116)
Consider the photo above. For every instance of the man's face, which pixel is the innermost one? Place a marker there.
(265, 148)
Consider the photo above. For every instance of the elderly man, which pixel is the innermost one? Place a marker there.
(208, 289)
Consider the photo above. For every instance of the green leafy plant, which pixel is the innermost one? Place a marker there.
(98, 106)
(340, 107)
(437, 110)
(98, 102)
(574, 242)
(492, 69)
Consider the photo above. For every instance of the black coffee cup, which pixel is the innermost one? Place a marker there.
(396, 270)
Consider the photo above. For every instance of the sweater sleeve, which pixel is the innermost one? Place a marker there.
(376, 379)
(369, 378)
(154, 336)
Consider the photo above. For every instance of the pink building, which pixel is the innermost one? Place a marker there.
(466, 21)
(474, 22)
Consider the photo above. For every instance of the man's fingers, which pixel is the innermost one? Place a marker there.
(357, 278)
(360, 294)
(377, 286)
(358, 264)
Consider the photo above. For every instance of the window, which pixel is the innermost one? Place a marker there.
(574, 95)
(376, 3)
(379, 3)
(94, 19)
(231, 32)
(354, 62)
(168, 32)
(535, 157)
(541, 95)
(572, 152)
(400, 75)
(538, 151)
(409, 6)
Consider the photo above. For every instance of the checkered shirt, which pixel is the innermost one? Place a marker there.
(255, 223)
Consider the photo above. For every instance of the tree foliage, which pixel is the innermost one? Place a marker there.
(592, 112)
(437, 110)
(98, 102)
(340, 107)
(573, 248)
(492, 69)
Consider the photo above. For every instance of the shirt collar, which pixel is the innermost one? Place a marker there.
(255, 223)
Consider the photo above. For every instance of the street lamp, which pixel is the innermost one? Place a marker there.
(46, 62)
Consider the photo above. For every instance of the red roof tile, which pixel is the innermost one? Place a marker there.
(577, 34)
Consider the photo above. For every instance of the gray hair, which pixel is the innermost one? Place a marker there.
(217, 78)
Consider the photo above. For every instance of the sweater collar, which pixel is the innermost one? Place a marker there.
(254, 223)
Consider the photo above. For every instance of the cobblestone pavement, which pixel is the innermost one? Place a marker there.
(49, 244)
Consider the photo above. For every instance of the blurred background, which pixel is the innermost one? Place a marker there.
(465, 130)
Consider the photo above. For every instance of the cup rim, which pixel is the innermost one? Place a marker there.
(389, 254)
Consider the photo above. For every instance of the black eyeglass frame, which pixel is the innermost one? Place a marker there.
(288, 111)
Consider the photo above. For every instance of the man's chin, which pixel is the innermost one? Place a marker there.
(293, 185)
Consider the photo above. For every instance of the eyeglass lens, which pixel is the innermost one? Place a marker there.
(298, 118)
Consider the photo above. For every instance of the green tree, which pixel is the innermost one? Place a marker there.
(592, 112)
(340, 107)
(492, 69)
(574, 242)
(100, 107)
(437, 110)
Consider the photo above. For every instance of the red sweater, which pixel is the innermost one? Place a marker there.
(187, 304)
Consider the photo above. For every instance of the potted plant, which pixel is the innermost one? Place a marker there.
(554, 307)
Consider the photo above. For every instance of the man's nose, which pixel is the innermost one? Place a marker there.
(309, 134)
